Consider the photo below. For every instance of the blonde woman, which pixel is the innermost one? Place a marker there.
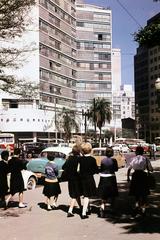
(88, 168)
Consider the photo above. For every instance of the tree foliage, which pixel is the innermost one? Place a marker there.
(13, 23)
(100, 112)
(13, 15)
(65, 121)
(148, 36)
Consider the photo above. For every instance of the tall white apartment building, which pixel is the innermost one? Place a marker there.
(116, 70)
(94, 48)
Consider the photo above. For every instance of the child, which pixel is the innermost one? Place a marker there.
(51, 186)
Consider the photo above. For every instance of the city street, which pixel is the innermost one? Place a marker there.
(35, 223)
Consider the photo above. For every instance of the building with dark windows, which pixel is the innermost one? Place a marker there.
(147, 71)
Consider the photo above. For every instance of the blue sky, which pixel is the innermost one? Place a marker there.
(124, 26)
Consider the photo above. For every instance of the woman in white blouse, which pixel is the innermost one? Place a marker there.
(139, 184)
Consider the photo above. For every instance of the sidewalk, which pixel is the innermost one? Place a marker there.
(35, 223)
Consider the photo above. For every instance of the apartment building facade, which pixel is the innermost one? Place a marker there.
(147, 70)
(94, 46)
(57, 43)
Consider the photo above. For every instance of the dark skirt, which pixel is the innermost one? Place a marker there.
(16, 184)
(3, 187)
(51, 189)
(107, 187)
(139, 184)
(74, 188)
(88, 186)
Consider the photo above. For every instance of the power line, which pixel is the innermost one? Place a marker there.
(133, 18)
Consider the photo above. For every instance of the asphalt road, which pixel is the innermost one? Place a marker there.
(35, 223)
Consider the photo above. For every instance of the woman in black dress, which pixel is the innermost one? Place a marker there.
(107, 187)
(74, 185)
(16, 180)
(88, 168)
(139, 187)
(3, 174)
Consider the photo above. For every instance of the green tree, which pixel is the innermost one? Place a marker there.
(100, 113)
(148, 36)
(13, 23)
(66, 121)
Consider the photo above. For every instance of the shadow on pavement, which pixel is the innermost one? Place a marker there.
(11, 204)
(122, 213)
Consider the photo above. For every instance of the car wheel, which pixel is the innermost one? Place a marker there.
(31, 184)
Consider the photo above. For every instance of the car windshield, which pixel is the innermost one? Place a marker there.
(56, 154)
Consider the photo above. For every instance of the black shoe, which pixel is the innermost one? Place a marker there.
(70, 214)
(84, 217)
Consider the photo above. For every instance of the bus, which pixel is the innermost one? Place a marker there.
(133, 143)
(7, 142)
(129, 141)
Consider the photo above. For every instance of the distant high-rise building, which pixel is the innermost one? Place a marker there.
(116, 69)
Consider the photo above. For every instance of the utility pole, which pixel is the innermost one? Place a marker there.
(95, 129)
(55, 119)
(85, 114)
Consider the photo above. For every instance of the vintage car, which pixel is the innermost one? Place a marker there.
(37, 165)
(121, 148)
(100, 153)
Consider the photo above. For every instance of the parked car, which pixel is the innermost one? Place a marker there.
(100, 153)
(33, 147)
(30, 179)
(121, 148)
(37, 165)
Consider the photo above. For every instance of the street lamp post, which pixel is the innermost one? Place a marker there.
(157, 86)
(95, 124)
(55, 117)
(85, 114)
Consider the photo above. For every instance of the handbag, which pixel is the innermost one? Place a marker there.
(151, 181)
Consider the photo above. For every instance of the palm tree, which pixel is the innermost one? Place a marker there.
(99, 113)
(66, 121)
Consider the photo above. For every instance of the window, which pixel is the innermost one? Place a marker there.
(91, 66)
(80, 24)
(100, 76)
(100, 36)
(13, 104)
